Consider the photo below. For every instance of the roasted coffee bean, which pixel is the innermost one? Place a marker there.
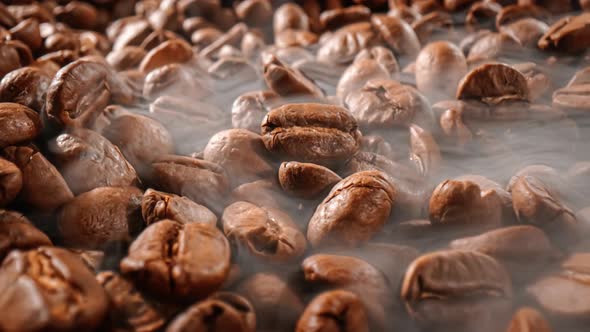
(432, 25)
(171, 51)
(492, 84)
(15, 54)
(85, 224)
(29, 33)
(383, 103)
(457, 291)
(345, 43)
(290, 16)
(187, 261)
(526, 30)
(523, 250)
(439, 68)
(11, 181)
(141, 139)
(220, 312)
(80, 91)
(466, 202)
(306, 180)
(18, 124)
(264, 193)
(273, 299)
(264, 232)
(88, 160)
(562, 295)
(255, 12)
(17, 232)
(43, 187)
(424, 151)
(355, 209)
(232, 37)
(537, 199)
(77, 15)
(204, 37)
(339, 17)
(157, 205)
(286, 81)
(397, 34)
(126, 58)
(129, 309)
(527, 319)
(202, 181)
(249, 109)
(130, 33)
(295, 38)
(515, 12)
(49, 288)
(26, 86)
(318, 133)
(357, 74)
(482, 14)
(354, 274)
(494, 46)
(382, 55)
(336, 310)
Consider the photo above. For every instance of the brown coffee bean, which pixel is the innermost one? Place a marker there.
(382, 55)
(434, 23)
(129, 309)
(295, 38)
(465, 202)
(158, 205)
(276, 305)
(204, 37)
(14, 54)
(88, 160)
(255, 12)
(18, 124)
(439, 68)
(264, 232)
(286, 81)
(337, 18)
(49, 288)
(354, 211)
(249, 109)
(43, 187)
(527, 319)
(290, 16)
(568, 35)
(253, 44)
(383, 103)
(28, 32)
(557, 6)
(187, 261)
(357, 74)
(526, 30)
(128, 57)
(318, 133)
(515, 12)
(171, 51)
(33, 10)
(306, 180)
(129, 33)
(494, 46)
(26, 86)
(265, 193)
(241, 153)
(80, 91)
(457, 290)
(344, 44)
(77, 15)
(336, 310)
(11, 182)
(456, 5)
(220, 312)
(202, 181)
(141, 139)
(424, 151)
(482, 14)
(17, 232)
(232, 37)
(492, 84)
(562, 295)
(397, 34)
(97, 217)
(353, 274)
(451, 122)
(537, 199)
(507, 246)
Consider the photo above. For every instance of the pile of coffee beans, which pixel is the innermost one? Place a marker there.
(262, 165)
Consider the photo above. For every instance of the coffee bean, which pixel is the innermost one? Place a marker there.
(172, 51)
(264, 232)
(56, 286)
(357, 74)
(439, 68)
(11, 181)
(17, 232)
(306, 180)
(26, 86)
(322, 134)
(290, 16)
(340, 17)
(344, 44)
(249, 109)
(528, 319)
(286, 81)
(18, 124)
(487, 83)
(220, 312)
(337, 310)
(157, 205)
(187, 261)
(397, 34)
